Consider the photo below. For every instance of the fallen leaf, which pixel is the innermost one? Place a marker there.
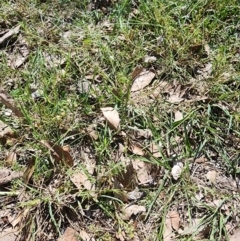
(175, 219)
(142, 80)
(137, 133)
(69, 235)
(177, 170)
(178, 116)
(58, 153)
(7, 175)
(155, 150)
(143, 171)
(85, 236)
(196, 227)
(167, 231)
(81, 181)
(53, 60)
(201, 159)
(136, 149)
(175, 99)
(21, 217)
(130, 210)
(127, 177)
(134, 195)
(121, 235)
(150, 59)
(211, 176)
(29, 171)
(8, 101)
(4, 40)
(11, 158)
(235, 236)
(136, 71)
(112, 117)
(9, 234)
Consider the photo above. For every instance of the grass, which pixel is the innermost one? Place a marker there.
(70, 44)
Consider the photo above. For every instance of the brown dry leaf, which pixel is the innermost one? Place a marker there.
(175, 99)
(21, 217)
(168, 232)
(201, 159)
(142, 170)
(211, 176)
(137, 133)
(196, 227)
(9, 234)
(5, 130)
(155, 150)
(7, 175)
(112, 117)
(121, 235)
(11, 158)
(178, 116)
(175, 219)
(128, 211)
(4, 40)
(127, 177)
(177, 170)
(8, 101)
(91, 132)
(142, 80)
(29, 171)
(81, 181)
(69, 235)
(58, 153)
(85, 236)
(136, 149)
(137, 71)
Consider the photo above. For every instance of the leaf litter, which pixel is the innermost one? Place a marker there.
(135, 172)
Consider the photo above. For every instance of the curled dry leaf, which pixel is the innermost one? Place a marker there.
(128, 211)
(112, 117)
(177, 170)
(59, 154)
(142, 80)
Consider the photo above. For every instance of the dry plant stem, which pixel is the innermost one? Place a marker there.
(157, 194)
